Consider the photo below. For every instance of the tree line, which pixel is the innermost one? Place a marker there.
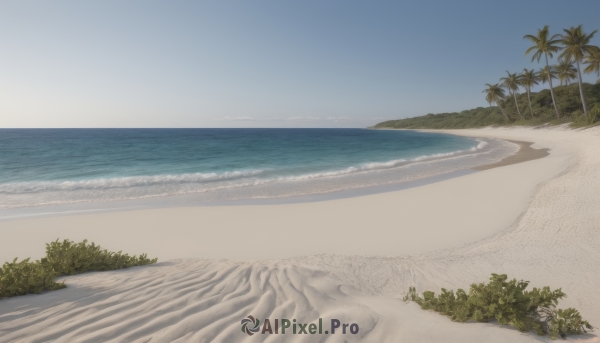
(574, 49)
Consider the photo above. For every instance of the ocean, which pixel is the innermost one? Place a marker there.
(41, 168)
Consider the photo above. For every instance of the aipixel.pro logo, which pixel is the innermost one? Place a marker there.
(251, 326)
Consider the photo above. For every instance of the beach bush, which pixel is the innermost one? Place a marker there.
(20, 278)
(594, 113)
(509, 303)
(580, 120)
(68, 258)
(62, 258)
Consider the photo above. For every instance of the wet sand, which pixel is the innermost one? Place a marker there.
(525, 153)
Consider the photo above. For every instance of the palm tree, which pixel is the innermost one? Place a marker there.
(576, 44)
(493, 95)
(546, 74)
(546, 46)
(529, 78)
(593, 61)
(565, 71)
(512, 83)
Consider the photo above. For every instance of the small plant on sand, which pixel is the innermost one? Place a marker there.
(20, 278)
(62, 258)
(509, 303)
(68, 258)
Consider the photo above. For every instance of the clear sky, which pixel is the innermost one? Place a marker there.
(145, 63)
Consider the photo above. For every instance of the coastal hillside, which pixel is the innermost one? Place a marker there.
(567, 99)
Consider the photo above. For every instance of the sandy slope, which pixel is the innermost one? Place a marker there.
(203, 301)
(554, 242)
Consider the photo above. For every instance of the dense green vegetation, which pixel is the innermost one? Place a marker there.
(567, 100)
(62, 258)
(509, 303)
(576, 103)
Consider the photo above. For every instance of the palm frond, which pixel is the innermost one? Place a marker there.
(576, 43)
(593, 62)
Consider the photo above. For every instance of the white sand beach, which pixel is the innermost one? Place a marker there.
(351, 259)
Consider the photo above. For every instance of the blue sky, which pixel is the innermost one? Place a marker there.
(261, 63)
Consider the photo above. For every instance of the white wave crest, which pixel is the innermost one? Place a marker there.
(482, 144)
(372, 166)
(122, 182)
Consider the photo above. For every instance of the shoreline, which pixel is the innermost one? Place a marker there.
(525, 153)
(186, 200)
(273, 219)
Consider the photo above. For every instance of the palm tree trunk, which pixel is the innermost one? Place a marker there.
(551, 90)
(517, 105)
(581, 90)
(501, 110)
(529, 99)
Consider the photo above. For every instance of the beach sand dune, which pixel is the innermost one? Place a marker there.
(545, 230)
(204, 301)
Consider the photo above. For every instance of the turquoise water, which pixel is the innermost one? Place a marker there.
(62, 166)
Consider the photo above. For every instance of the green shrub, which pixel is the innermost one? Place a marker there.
(580, 119)
(20, 278)
(594, 113)
(62, 258)
(68, 258)
(509, 303)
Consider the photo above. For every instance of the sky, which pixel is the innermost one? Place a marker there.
(146, 63)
